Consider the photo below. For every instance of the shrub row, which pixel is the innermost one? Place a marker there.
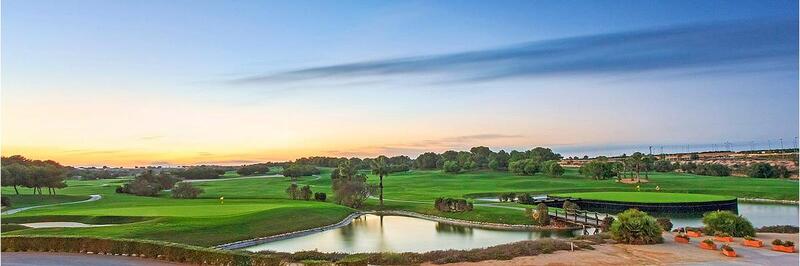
(500, 252)
(452, 205)
(141, 248)
(785, 229)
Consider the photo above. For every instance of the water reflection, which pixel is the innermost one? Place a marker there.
(373, 233)
(759, 214)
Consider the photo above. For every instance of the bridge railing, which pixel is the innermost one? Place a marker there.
(580, 216)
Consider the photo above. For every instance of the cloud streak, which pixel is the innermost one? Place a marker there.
(738, 45)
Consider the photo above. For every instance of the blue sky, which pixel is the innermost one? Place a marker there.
(218, 81)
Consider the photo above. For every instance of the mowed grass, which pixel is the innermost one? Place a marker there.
(203, 222)
(257, 207)
(646, 197)
(27, 200)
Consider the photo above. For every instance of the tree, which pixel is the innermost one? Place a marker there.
(663, 166)
(552, 168)
(201, 172)
(305, 193)
(451, 167)
(502, 160)
(296, 170)
(148, 184)
(598, 169)
(426, 161)
(292, 191)
(14, 175)
(761, 170)
(380, 168)
(185, 190)
(524, 167)
(494, 165)
(480, 156)
(350, 188)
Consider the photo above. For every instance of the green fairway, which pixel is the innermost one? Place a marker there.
(646, 197)
(257, 206)
(203, 222)
(23, 200)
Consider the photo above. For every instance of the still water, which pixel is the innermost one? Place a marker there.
(759, 214)
(373, 233)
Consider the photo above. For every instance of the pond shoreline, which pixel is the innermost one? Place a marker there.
(513, 227)
(261, 240)
(349, 219)
(772, 201)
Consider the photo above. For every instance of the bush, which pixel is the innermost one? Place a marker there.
(524, 167)
(777, 242)
(727, 222)
(541, 216)
(712, 169)
(5, 201)
(636, 227)
(320, 196)
(788, 244)
(722, 234)
(451, 167)
(665, 224)
(293, 192)
(663, 166)
(785, 229)
(605, 226)
(452, 205)
(305, 193)
(552, 168)
(762, 170)
(570, 206)
(727, 248)
(185, 190)
(708, 241)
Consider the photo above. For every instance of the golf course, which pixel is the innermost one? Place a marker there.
(258, 206)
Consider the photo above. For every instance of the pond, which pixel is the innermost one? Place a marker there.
(760, 214)
(374, 233)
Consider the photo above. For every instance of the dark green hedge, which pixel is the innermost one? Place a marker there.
(150, 249)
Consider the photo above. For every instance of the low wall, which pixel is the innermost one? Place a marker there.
(680, 207)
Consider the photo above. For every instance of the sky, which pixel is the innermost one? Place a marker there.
(126, 83)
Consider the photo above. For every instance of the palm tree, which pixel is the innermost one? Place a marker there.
(380, 168)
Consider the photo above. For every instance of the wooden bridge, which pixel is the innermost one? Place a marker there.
(583, 218)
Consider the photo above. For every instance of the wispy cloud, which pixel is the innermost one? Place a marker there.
(739, 45)
(147, 138)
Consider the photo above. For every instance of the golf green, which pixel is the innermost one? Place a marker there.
(646, 197)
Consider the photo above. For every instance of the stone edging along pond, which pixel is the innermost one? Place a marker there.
(756, 200)
(347, 220)
(255, 241)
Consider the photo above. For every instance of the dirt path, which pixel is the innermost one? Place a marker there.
(69, 259)
(669, 253)
(91, 198)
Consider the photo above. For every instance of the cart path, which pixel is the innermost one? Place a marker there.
(91, 198)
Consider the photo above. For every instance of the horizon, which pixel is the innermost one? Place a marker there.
(89, 83)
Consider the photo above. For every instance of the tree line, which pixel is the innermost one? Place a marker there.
(18, 171)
